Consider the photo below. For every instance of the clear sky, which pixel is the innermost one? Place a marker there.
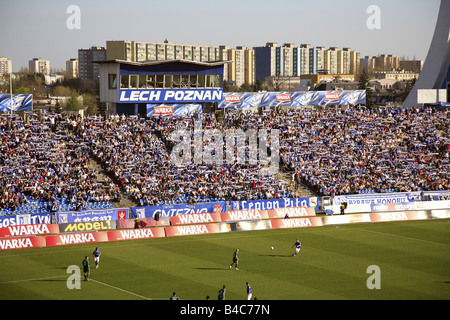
(38, 28)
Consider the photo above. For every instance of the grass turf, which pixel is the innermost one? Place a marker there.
(413, 257)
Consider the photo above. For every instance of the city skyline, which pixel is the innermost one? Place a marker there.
(404, 29)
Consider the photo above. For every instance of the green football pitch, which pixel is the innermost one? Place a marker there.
(412, 261)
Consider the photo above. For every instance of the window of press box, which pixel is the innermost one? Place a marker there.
(124, 81)
(168, 81)
(161, 81)
(151, 79)
(142, 83)
(112, 81)
(176, 81)
(133, 81)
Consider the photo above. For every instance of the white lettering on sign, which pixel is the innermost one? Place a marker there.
(170, 95)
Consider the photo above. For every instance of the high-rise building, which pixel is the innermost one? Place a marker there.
(343, 61)
(355, 62)
(39, 65)
(386, 62)
(290, 61)
(272, 60)
(319, 59)
(411, 65)
(241, 68)
(72, 67)
(290, 58)
(367, 64)
(331, 60)
(87, 68)
(306, 59)
(139, 51)
(266, 62)
(5, 67)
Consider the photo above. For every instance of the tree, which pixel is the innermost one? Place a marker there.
(246, 87)
(62, 91)
(91, 104)
(22, 90)
(408, 88)
(74, 103)
(258, 85)
(364, 84)
(58, 108)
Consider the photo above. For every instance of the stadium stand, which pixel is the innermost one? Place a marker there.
(47, 165)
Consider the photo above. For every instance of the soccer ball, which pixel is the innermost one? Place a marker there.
(271, 248)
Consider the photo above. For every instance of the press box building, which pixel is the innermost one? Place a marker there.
(159, 87)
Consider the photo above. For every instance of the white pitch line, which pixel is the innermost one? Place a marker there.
(403, 237)
(26, 280)
(117, 288)
(82, 277)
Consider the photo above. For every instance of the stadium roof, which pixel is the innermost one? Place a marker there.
(154, 62)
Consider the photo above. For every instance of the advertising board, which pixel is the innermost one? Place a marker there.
(274, 203)
(143, 223)
(291, 212)
(76, 238)
(189, 230)
(296, 222)
(87, 226)
(178, 109)
(245, 225)
(377, 198)
(90, 215)
(170, 95)
(440, 214)
(294, 99)
(236, 215)
(21, 219)
(20, 102)
(195, 218)
(397, 216)
(176, 209)
(416, 205)
(134, 234)
(29, 230)
(346, 219)
(22, 243)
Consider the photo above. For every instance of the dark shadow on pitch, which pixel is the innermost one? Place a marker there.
(276, 255)
(60, 268)
(50, 280)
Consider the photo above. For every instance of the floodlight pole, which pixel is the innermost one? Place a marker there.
(10, 91)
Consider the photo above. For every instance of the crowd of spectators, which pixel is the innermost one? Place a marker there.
(341, 150)
(336, 150)
(137, 152)
(44, 166)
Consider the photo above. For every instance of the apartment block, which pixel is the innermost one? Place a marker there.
(87, 68)
(72, 67)
(39, 65)
(5, 66)
(139, 51)
(241, 68)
